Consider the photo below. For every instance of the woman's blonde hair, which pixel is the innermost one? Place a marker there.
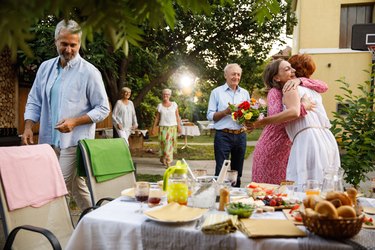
(125, 89)
(166, 91)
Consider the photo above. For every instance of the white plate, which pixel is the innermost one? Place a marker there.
(129, 192)
(169, 221)
(238, 192)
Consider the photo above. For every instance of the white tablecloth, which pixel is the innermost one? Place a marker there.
(116, 226)
(190, 130)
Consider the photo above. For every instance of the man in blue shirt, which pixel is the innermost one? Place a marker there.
(67, 99)
(230, 137)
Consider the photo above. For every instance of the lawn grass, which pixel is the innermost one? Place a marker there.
(195, 152)
(253, 136)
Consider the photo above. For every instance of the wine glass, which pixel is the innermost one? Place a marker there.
(231, 176)
(141, 191)
(155, 195)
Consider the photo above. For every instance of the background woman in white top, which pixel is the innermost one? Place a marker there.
(169, 122)
(123, 116)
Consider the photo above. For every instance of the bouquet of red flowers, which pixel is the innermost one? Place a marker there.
(248, 111)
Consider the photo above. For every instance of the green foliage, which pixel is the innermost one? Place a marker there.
(203, 43)
(354, 126)
(118, 20)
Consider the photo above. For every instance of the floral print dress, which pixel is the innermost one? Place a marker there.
(270, 157)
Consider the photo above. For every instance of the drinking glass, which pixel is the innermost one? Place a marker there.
(232, 177)
(200, 172)
(312, 187)
(141, 191)
(155, 195)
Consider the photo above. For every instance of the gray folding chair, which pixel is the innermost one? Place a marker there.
(35, 227)
(112, 151)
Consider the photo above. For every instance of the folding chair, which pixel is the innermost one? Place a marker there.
(108, 165)
(33, 220)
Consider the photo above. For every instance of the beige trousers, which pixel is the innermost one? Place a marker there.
(75, 184)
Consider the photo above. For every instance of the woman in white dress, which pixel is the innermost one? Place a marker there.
(123, 115)
(169, 122)
(314, 148)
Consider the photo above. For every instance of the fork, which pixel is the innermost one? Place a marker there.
(199, 223)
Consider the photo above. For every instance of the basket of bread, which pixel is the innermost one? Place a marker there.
(337, 216)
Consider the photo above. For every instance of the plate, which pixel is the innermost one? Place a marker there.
(369, 210)
(174, 213)
(173, 221)
(129, 192)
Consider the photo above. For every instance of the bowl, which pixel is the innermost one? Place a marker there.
(240, 209)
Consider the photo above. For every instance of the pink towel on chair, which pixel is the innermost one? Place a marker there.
(31, 175)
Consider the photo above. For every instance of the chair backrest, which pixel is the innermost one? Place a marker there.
(109, 188)
(53, 215)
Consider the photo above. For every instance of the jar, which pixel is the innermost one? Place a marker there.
(177, 190)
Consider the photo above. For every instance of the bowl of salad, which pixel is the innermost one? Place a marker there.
(240, 209)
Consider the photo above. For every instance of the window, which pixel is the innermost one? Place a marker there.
(353, 14)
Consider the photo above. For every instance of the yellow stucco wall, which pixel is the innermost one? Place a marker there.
(332, 67)
(317, 33)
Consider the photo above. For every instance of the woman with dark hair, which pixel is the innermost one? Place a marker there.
(314, 147)
(270, 157)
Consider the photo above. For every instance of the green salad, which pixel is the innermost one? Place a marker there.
(240, 209)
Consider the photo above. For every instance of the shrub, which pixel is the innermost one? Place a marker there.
(354, 128)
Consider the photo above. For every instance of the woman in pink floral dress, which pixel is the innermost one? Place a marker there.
(270, 157)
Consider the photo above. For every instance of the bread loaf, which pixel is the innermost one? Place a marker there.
(345, 200)
(346, 212)
(352, 194)
(327, 209)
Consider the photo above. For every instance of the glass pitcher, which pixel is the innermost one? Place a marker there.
(175, 182)
(332, 181)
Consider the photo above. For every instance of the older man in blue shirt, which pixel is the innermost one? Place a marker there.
(67, 98)
(230, 137)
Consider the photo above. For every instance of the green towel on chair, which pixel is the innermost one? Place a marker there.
(110, 158)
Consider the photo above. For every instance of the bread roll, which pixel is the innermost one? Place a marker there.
(346, 212)
(336, 202)
(352, 194)
(345, 200)
(311, 200)
(327, 209)
(310, 212)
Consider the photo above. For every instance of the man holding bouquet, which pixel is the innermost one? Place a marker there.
(230, 136)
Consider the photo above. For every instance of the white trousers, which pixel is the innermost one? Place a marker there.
(75, 184)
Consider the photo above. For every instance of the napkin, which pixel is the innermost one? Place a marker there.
(269, 228)
(174, 212)
(220, 224)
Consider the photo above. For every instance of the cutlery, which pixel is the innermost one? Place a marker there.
(199, 223)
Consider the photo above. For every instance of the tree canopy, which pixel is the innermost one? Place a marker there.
(117, 20)
(199, 42)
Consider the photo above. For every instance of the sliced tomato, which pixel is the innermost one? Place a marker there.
(269, 191)
(297, 217)
(295, 207)
(252, 185)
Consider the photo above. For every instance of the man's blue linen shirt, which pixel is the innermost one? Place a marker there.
(82, 92)
(219, 99)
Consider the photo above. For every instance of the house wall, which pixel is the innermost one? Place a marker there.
(317, 33)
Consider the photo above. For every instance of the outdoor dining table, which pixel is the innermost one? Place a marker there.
(189, 130)
(116, 225)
